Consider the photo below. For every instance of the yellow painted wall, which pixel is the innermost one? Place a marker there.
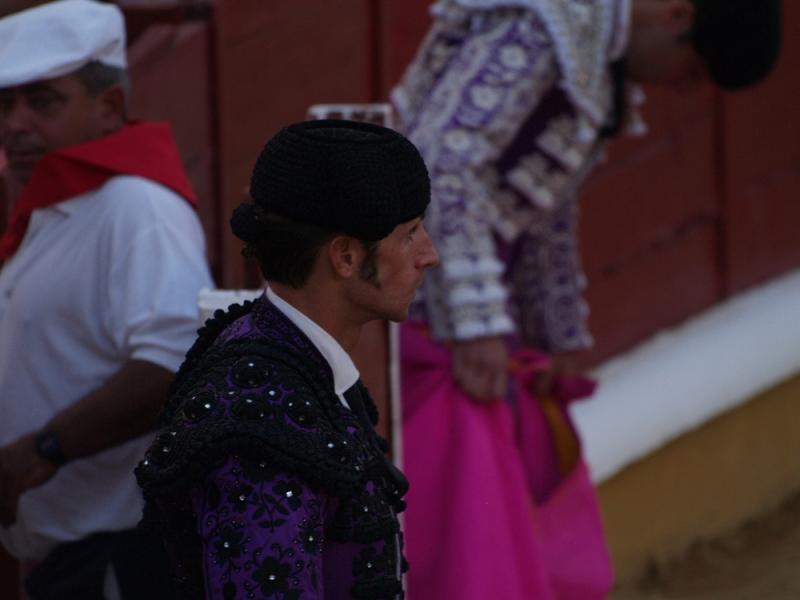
(706, 483)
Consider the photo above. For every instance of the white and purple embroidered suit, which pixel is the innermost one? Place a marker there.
(506, 101)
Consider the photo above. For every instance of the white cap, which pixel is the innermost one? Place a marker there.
(59, 38)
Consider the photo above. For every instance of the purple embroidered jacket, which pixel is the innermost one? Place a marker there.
(263, 484)
(505, 100)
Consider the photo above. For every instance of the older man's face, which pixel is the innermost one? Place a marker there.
(46, 115)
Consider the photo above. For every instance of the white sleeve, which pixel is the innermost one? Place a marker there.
(157, 269)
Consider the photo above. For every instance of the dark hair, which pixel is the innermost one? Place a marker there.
(98, 77)
(286, 249)
(739, 40)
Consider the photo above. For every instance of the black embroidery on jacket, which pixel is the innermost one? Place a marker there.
(266, 395)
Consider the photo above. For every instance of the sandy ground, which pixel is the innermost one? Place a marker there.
(759, 562)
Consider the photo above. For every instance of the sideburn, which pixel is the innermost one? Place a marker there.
(369, 268)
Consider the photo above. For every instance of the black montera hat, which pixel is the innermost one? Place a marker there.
(355, 178)
(738, 39)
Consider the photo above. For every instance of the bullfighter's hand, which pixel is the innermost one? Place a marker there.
(480, 367)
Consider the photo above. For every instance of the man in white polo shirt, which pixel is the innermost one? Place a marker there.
(102, 262)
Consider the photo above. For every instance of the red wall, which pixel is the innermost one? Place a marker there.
(703, 207)
(271, 65)
(760, 154)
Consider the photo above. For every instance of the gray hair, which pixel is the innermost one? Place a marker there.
(98, 77)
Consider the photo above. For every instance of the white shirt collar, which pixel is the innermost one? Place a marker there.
(345, 373)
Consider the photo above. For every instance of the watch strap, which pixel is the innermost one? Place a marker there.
(48, 446)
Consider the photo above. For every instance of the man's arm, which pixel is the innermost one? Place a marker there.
(12, 6)
(156, 258)
(126, 407)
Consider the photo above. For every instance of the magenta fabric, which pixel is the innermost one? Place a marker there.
(575, 553)
(473, 527)
(533, 434)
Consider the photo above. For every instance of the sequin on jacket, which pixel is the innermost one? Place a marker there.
(261, 482)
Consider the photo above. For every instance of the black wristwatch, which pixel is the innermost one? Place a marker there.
(48, 447)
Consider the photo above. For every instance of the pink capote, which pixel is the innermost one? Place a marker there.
(489, 513)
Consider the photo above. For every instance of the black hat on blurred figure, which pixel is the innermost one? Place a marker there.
(739, 40)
